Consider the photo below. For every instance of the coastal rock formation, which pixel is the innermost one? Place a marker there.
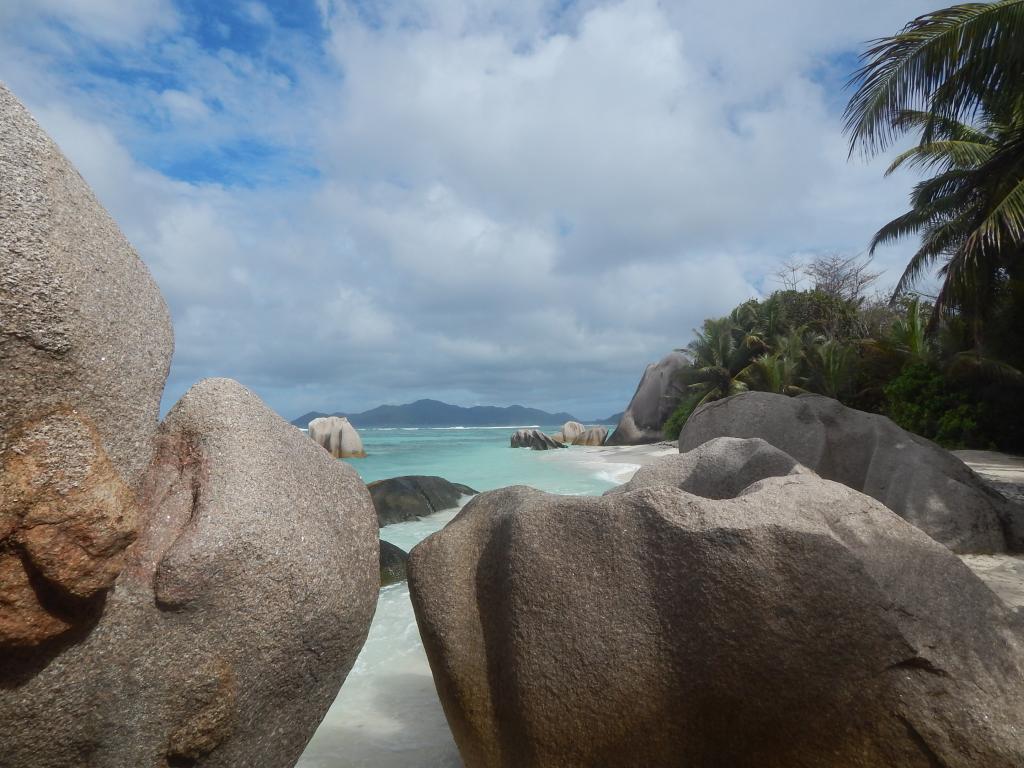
(592, 436)
(655, 398)
(916, 479)
(239, 613)
(718, 469)
(569, 432)
(535, 439)
(406, 498)
(799, 624)
(78, 309)
(170, 595)
(392, 563)
(337, 436)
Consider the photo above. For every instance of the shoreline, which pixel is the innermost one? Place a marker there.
(615, 464)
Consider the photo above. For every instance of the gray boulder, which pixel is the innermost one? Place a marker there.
(655, 399)
(799, 624)
(399, 499)
(570, 431)
(592, 436)
(718, 469)
(85, 346)
(85, 330)
(918, 480)
(192, 594)
(337, 436)
(241, 609)
(392, 563)
(535, 439)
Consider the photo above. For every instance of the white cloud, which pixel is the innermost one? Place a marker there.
(514, 202)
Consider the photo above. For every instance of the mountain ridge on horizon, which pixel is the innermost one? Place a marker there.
(435, 413)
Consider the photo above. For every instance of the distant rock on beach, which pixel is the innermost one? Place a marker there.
(655, 399)
(399, 499)
(337, 436)
(186, 593)
(592, 436)
(915, 478)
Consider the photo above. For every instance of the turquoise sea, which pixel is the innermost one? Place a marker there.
(388, 714)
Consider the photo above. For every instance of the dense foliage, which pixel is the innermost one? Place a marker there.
(948, 368)
(955, 79)
(867, 353)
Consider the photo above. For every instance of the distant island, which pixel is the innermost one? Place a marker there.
(434, 413)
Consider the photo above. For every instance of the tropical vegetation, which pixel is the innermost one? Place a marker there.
(942, 354)
(864, 351)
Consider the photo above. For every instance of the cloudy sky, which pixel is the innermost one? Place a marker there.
(486, 202)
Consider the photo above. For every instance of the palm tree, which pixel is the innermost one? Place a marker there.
(831, 367)
(774, 372)
(949, 210)
(956, 76)
(719, 358)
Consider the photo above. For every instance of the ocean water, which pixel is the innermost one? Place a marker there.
(388, 714)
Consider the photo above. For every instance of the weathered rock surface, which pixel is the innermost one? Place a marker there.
(918, 480)
(592, 436)
(239, 613)
(392, 563)
(569, 432)
(85, 346)
(535, 439)
(798, 624)
(718, 469)
(191, 595)
(655, 398)
(337, 436)
(79, 308)
(399, 499)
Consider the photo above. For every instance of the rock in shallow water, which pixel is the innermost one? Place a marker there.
(337, 436)
(168, 597)
(392, 563)
(798, 624)
(399, 499)
(914, 477)
(535, 439)
(592, 436)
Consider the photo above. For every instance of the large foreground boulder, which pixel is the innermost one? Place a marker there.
(241, 609)
(915, 478)
(188, 595)
(535, 439)
(84, 328)
(85, 346)
(799, 624)
(399, 499)
(718, 469)
(337, 436)
(655, 399)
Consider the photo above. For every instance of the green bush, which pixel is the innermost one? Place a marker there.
(924, 401)
(675, 422)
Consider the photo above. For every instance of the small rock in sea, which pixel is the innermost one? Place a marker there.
(337, 436)
(392, 563)
(399, 499)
